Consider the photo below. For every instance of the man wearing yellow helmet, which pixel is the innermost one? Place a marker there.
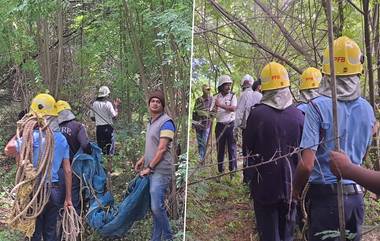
(273, 127)
(44, 106)
(76, 136)
(355, 122)
(309, 84)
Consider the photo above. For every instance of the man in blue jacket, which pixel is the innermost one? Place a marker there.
(274, 129)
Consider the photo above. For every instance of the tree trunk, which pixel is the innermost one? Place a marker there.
(136, 47)
(368, 48)
(377, 44)
(47, 67)
(60, 49)
(338, 26)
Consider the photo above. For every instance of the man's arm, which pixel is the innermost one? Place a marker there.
(11, 149)
(230, 108)
(68, 181)
(240, 110)
(310, 141)
(162, 148)
(114, 108)
(139, 164)
(343, 167)
(304, 168)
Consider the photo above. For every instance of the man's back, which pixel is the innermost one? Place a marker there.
(60, 153)
(272, 133)
(103, 112)
(76, 136)
(355, 122)
(247, 99)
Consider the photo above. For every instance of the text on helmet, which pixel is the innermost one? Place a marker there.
(340, 59)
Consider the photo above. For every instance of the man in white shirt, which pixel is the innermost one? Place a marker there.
(247, 100)
(224, 103)
(103, 113)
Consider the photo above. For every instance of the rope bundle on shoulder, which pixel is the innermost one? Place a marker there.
(31, 192)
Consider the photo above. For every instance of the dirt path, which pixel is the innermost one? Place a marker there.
(224, 212)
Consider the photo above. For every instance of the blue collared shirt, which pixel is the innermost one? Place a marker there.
(355, 120)
(302, 107)
(61, 151)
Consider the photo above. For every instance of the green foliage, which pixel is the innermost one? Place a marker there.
(113, 43)
(8, 235)
(226, 49)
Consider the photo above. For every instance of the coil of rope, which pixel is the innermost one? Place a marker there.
(71, 224)
(305, 218)
(31, 192)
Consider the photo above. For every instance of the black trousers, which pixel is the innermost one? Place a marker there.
(275, 222)
(324, 215)
(225, 135)
(105, 139)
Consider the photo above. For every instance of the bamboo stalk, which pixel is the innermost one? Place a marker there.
(342, 228)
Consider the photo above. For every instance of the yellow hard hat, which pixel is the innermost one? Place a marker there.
(43, 105)
(274, 76)
(310, 79)
(348, 58)
(62, 105)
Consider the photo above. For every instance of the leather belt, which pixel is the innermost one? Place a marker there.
(332, 189)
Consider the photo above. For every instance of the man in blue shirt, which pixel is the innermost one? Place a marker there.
(43, 105)
(274, 128)
(355, 122)
(157, 163)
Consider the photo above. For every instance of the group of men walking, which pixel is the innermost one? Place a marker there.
(290, 145)
(231, 114)
(70, 136)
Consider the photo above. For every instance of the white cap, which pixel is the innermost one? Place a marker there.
(245, 79)
(224, 79)
(103, 91)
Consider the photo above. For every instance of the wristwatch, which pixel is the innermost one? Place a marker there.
(151, 168)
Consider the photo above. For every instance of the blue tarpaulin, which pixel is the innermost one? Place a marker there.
(106, 217)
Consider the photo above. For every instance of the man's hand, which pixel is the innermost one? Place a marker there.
(139, 165)
(116, 102)
(68, 203)
(296, 195)
(339, 163)
(10, 149)
(145, 172)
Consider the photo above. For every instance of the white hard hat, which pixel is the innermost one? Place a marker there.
(103, 91)
(247, 78)
(224, 79)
